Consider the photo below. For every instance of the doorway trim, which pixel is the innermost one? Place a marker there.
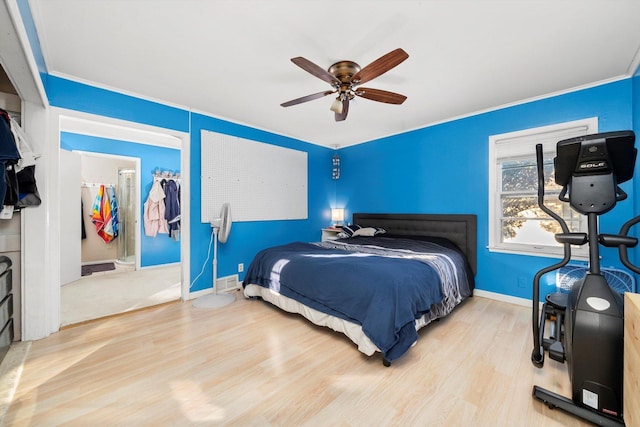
(65, 120)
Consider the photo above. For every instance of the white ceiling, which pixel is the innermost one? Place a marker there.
(231, 59)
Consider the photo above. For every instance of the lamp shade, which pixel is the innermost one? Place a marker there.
(337, 214)
(336, 106)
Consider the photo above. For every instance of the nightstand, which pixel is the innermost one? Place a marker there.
(330, 233)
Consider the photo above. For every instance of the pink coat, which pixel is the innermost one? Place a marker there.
(153, 215)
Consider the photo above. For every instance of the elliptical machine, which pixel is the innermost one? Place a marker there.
(588, 327)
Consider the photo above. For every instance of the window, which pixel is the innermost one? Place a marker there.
(516, 222)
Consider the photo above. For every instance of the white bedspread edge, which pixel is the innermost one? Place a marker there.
(352, 330)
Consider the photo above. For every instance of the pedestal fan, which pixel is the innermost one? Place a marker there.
(221, 228)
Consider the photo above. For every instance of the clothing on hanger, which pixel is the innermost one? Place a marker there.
(154, 212)
(9, 154)
(172, 211)
(101, 215)
(115, 220)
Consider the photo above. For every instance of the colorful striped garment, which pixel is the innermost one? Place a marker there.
(101, 216)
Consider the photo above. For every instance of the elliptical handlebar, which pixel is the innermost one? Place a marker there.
(552, 214)
(537, 356)
(622, 248)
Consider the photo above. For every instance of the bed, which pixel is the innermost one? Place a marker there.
(379, 288)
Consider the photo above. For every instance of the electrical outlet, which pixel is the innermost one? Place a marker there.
(522, 282)
(240, 268)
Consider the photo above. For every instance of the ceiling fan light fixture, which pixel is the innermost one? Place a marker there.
(344, 76)
(336, 106)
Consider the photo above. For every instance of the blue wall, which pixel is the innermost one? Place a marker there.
(636, 127)
(246, 238)
(438, 169)
(80, 97)
(444, 169)
(153, 250)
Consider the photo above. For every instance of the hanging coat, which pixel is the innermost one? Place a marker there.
(9, 154)
(153, 214)
(172, 208)
(25, 170)
(101, 215)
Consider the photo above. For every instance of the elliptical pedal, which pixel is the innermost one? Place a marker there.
(555, 307)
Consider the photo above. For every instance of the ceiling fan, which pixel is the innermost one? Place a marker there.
(346, 76)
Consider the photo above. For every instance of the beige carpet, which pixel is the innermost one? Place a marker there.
(112, 292)
(10, 371)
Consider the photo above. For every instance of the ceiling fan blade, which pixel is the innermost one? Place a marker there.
(345, 110)
(380, 95)
(307, 98)
(380, 66)
(316, 70)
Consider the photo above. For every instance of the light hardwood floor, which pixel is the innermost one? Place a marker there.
(252, 364)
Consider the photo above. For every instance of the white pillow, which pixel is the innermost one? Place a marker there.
(365, 231)
(354, 230)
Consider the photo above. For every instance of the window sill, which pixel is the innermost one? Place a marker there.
(576, 254)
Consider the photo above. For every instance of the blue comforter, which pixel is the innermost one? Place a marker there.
(382, 289)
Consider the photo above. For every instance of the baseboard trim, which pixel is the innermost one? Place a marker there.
(221, 281)
(502, 297)
(169, 264)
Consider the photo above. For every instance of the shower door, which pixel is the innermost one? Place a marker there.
(126, 216)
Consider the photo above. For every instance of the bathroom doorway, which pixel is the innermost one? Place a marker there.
(111, 180)
(112, 280)
(159, 274)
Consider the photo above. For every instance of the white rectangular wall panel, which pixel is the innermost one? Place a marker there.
(260, 181)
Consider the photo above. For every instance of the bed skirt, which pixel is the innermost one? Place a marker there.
(352, 330)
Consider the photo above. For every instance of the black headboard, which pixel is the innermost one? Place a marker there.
(461, 229)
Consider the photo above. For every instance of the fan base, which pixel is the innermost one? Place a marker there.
(344, 70)
(214, 300)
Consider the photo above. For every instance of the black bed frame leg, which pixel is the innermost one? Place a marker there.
(385, 362)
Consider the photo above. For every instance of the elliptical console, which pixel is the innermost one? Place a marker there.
(590, 318)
